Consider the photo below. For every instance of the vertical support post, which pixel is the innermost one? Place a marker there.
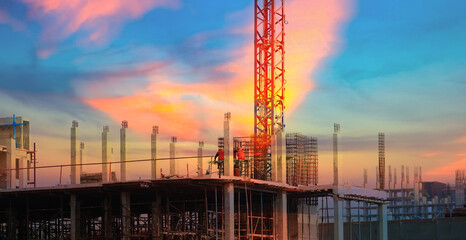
(336, 130)
(126, 215)
(156, 217)
(172, 156)
(74, 214)
(337, 218)
(12, 222)
(153, 151)
(279, 158)
(229, 208)
(74, 147)
(105, 154)
(200, 166)
(228, 144)
(281, 213)
(107, 220)
(124, 126)
(382, 160)
(383, 226)
(365, 178)
(81, 149)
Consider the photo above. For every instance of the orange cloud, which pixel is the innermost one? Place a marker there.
(462, 139)
(190, 110)
(98, 19)
(431, 154)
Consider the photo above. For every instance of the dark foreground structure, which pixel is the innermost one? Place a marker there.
(189, 208)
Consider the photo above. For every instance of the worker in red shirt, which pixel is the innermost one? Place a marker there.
(221, 156)
(239, 155)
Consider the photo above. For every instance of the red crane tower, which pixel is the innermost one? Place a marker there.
(269, 69)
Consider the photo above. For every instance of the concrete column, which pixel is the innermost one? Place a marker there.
(126, 214)
(173, 156)
(281, 213)
(383, 226)
(156, 218)
(228, 145)
(12, 221)
(336, 130)
(293, 223)
(74, 215)
(337, 218)
(10, 163)
(107, 220)
(200, 166)
(81, 149)
(153, 152)
(365, 178)
(279, 158)
(75, 177)
(229, 208)
(105, 154)
(123, 170)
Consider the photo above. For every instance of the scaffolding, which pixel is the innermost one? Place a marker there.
(301, 159)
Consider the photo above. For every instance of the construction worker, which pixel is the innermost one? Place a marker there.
(221, 156)
(239, 155)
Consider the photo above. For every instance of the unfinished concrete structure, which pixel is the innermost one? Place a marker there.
(15, 153)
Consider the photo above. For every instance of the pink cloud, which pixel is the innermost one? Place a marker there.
(97, 20)
(188, 109)
(5, 18)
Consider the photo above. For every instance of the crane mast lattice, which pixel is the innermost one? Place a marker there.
(269, 106)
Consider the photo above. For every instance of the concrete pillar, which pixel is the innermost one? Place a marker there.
(293, 223)
(107, 220)
(337, 218)
(105, 154)
(153, 152)
(336, 130)
(200, 166)
(229, 208)
(75, 218)
(459, 188)
(75, 177)
(279, 158)
(383, 226)
(403, 181)
(281, 213)
(173, 156)
(123, 170)
(156, 218)
(126, 215)
(228, 145)
(81, 149)
(10, 163)
(365, 178)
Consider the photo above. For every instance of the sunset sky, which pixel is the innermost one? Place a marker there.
(397, 67)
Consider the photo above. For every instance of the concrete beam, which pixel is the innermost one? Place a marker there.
(105, 153)
(228, 145)
(153, 152)
(123, 148)
(75, 175)
(229, 208)
(383, 226)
